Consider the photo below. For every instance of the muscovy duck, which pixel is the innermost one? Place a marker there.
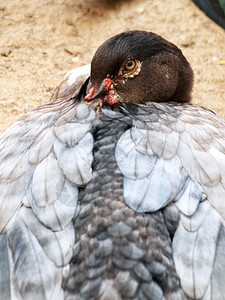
(115, 188)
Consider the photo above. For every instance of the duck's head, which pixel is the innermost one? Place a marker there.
(138, 67)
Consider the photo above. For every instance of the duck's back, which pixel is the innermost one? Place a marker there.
(119, 253)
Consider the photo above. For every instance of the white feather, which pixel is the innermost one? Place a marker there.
(131, 162)
(56, 245)
(41, 146)
(76, 161)
(194, 254)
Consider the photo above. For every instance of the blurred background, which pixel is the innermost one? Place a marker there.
(40, 41)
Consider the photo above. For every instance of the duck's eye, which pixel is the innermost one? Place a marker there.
(130, 65)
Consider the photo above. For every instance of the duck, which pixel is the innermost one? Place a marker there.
(114, 189)
(214, 9)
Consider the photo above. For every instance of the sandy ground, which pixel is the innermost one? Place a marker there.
(41, 40)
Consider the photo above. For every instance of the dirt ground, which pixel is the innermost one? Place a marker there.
(41, 40)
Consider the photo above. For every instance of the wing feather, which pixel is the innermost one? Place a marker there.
(28, 255)
(44, 157)
(196, 253)
(57, 245)
(186, 147)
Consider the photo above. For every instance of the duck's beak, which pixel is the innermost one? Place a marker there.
(97, 97)
(93, 93)
(101, 91)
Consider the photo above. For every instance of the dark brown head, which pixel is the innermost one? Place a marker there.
(137, 67)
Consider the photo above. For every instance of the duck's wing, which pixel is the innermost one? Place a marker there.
(173, 157)
(44, 158)
(70, 86)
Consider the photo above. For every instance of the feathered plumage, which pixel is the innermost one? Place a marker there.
(109, 197)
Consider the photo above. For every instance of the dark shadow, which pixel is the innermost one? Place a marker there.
(213, 10)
